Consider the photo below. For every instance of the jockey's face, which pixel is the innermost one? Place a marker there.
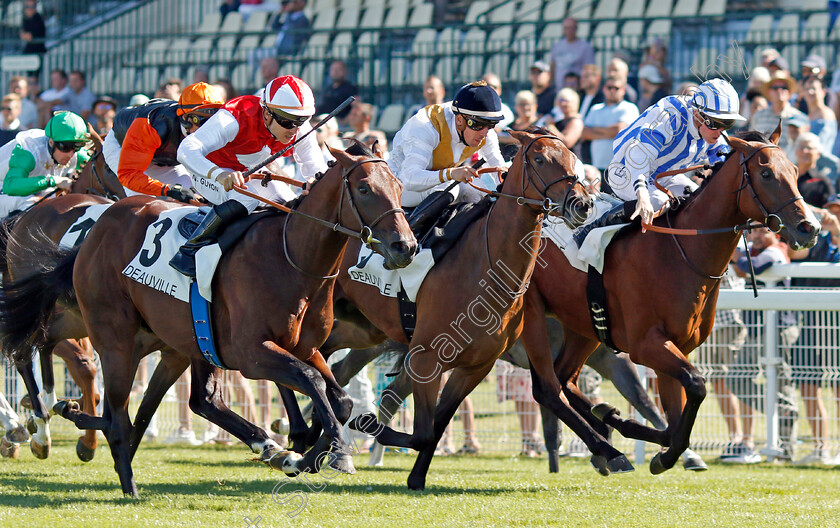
(281, 134)
(472, 138)
(61, 157)
(709, 135)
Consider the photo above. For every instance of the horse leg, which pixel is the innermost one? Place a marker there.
(78, 356)
(389, 403)
(460, 384)
(682, 388)
(298, 430)
(622, 373)
(36, 425)
(551, 436)
(168, 370)
(547, 387)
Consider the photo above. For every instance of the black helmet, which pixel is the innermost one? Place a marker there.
(479, 102)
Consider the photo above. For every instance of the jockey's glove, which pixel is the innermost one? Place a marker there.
(177, 192)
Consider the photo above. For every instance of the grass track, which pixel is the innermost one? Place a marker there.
(219, 487)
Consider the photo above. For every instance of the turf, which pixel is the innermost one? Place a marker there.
(214, 486)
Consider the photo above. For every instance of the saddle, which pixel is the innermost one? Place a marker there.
(438, 224)
(229, 235)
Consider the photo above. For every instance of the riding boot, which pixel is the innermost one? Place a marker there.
(219, 217)
(619, 214)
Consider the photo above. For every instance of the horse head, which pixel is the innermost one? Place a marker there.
(96, 177)
(545, 170)
(373, 207)
(768, 190)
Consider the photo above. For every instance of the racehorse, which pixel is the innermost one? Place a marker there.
(469, 308)
(272, 306)
(661, 294)
(52, 217)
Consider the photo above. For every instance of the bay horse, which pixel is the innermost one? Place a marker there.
(272, 306)
(51, 217)
(469, 308)
(661, 294)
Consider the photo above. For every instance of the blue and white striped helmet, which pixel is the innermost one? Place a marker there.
(718, 99)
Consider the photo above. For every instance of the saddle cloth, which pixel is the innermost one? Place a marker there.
(77, 232)
(591, 252)
(370, 269)
(151, 267)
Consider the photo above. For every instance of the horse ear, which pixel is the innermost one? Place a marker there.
(97, 139)
(774, 137)
(341, 156)
(519, 135)
(737, 144)
(377, 150)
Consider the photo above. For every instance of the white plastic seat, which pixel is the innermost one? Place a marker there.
(421, 15)
(503, 14)
(607, 9)
(257, 22)
(349, 18)
(224, 49)
(686, 8)
(232, 23)
(391, 118)
(178, 51)
(155, 53)
(341, 45)
(659, 8)
(475, 13)
(759, 30)
(373, 17)
(313, 73)
(396, 17)
(529, 11)
(210, 23)
(788, 29)
(201, 50)
(713, 8)
(634, 8)
(554, 10)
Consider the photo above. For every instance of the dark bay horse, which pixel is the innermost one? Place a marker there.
(469, 308)
(661, 295)
(272, 306)
(51, 217)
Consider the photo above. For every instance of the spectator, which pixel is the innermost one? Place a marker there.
(656, 54)
(80, 99)
(650, 85)
(495, 83)
(572, 80)
(201, 74)
(269, 69)
(336, 90)
(226, 89)
(361, 115)
(687, 88)
(138, 99)
(812, 66)
(758, 76)
(525, 106)
(10, 112)
(569, 54)
(433, 93)
(28, 110)
(604, 122)
(814, 182)
(768, 55)
(292, 27)
(103, 111)
(327, 136)
(796, 125)
(617, 67)
(514, 383)
(169, 89)
(228, 6)
(778, 64)
(823, 121)
(570, 125)
(593, 179)
(590, 94)
(540, 76)
(778, 91)
(56, 98)
(33, 30)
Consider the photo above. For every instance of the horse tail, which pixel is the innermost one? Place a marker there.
(6, 226)
(26, 304)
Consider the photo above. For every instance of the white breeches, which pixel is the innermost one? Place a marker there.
(20, 203)
(679, 184)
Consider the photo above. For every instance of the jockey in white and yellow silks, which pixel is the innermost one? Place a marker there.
(430, 148)
(676, 132)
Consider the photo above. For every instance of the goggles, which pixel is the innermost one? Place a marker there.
(197, 118)
(716, 124)
(288, 121)
(478, 124)
(68, 146)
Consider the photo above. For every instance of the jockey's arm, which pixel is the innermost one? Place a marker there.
(307, 155)
(217, 132)
(18, 181)
(138, 148)
(412, 172)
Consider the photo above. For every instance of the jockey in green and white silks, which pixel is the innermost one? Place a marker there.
(677, 132)
(37, 161)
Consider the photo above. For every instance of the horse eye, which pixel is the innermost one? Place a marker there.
(363, 189)
(539, 160)
(766, 173)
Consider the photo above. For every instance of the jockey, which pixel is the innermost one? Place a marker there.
(677, 132)
(142, 147)
(430, 148)
(244, 132)
(37, 161)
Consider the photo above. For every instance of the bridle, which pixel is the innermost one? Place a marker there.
(365, 233)
(105, 192)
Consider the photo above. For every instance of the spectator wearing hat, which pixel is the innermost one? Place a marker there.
(812, 66)
(138, 99)
(569, 54)
(822, 119)
(778, 91)
(103, 111)
(815, 183)
(656, 54)
(540, 76)
(778, 64)
(650, 86)
(796, 125)
(768, 55)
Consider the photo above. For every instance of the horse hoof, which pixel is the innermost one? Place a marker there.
(31, 426)
(365, 423)
(693, 462)
(600, 464)
(656, 465)
(41, 451)
(620, 464)
(26, 402)
(9, 449)
(341, 463)
(285, 461)
(416, 483)
(63, 406)
(280, 426)
(603, 410)
(84, 453)
(18, 435)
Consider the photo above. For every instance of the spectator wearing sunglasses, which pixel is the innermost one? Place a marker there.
(435, 145)
(143, 144)
(678, 131)
(778, 91)
(245, 131)
(10, 109)
(37, 161)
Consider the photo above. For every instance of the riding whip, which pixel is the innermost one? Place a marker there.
(298, 139)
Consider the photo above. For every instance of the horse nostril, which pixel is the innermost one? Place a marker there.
(401, 247)
(806, 228)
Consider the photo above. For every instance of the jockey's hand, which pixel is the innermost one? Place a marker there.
(63, 182)
(306, 186)
(463, 174)
(177, 192)
(644, 208)
(231, 179)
